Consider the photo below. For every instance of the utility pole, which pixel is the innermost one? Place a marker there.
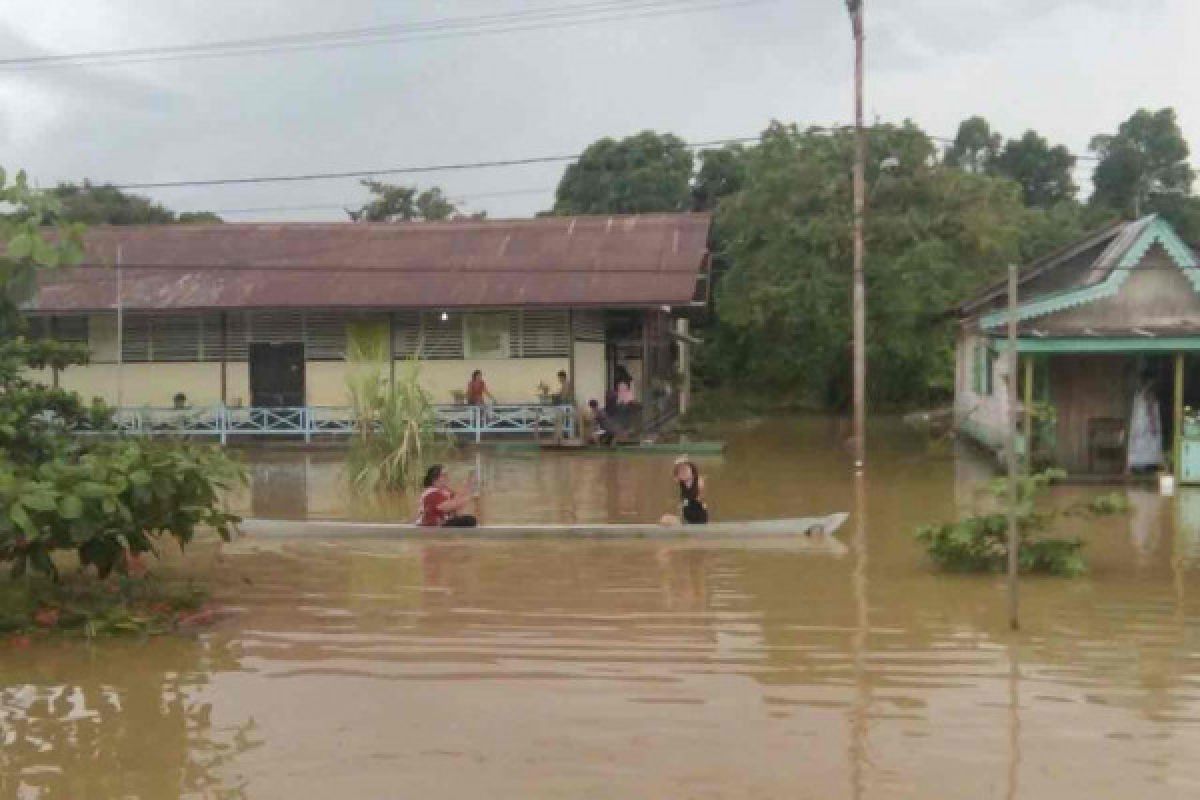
(855, 7)
(1011, 433)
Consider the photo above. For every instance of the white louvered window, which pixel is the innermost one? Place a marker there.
(487, 335)
(135, 338)
(237, 335)
(406, 333)
(443, 339)
(544, 334)
(589, 326)
(325, 335)
(175, 338)
(70, 329)
(210, 337)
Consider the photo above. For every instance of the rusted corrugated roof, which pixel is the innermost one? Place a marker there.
(641, 260)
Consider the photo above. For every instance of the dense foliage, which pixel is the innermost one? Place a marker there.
(934, 235)
(104, 498)
(108, 205)
(979, 543)
(641, 173)
(940, 225)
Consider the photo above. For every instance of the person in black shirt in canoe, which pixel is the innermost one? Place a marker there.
(693, 511)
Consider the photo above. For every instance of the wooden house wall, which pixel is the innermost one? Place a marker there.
(1082, 388)
(980, 416)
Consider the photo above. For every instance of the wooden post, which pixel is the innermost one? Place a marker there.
(1011, 431)
(54, 337)
(120, 303)
(224, 359)
(1177, 438)
(859, 293)
(571, 356)
(1030, 376)
(391, 348)
(685, 365)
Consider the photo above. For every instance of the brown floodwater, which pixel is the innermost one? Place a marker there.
(606, 669)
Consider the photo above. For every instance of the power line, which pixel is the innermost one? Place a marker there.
(459, 198)
(445, 28)
(319, 176)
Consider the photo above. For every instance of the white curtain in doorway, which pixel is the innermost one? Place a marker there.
(1145, 430)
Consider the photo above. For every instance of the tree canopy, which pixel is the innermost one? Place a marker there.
(935, 234)
(641, 173)
(392, 203)
(107, 205)
(103, 498)
(1145, 159)
(975, 146)
(1043, 172)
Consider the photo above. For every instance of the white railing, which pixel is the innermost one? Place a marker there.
(308, 421)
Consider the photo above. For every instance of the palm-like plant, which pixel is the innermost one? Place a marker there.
(395, 420)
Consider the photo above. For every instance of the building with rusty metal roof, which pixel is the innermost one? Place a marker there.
(260, 315)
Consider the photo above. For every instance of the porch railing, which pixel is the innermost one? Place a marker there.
(308, 421)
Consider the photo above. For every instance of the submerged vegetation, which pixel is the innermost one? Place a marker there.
(394, 417)
(78, 606)
(106, 500)
(979, 543)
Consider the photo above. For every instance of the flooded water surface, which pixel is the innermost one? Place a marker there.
(605, 669)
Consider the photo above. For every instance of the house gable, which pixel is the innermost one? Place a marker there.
(1155, 251)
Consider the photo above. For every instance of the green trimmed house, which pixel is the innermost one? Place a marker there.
(1111, 315)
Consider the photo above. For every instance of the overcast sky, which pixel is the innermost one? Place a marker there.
(1069, 68)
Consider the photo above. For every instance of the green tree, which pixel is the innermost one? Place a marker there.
(108, 205)
(722, 173)
(935, 234)
(102, 498)
(974, 147)
(641, 173)
(1042, 171)
(391, 203)
(1146, 158)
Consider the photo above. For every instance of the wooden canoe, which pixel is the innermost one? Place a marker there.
(812, 531)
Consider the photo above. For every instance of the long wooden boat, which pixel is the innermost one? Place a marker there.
(812, 532)
(621, 448)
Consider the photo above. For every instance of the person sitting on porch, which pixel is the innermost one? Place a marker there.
(179, 401)
(601, 432)
(440, 504)
(1145, 429)
(477, 390)
(563, 395)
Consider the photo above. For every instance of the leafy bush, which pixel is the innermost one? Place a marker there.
(979, 543)
(395, 420)
(104, 498)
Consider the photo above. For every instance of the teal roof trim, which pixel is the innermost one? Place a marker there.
(1158, 231)
(1100, 344)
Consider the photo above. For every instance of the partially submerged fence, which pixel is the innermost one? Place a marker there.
(224, 422)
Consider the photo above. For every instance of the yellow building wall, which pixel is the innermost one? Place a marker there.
(155, 384)
(591, 379)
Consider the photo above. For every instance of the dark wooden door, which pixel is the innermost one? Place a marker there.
(276, 374)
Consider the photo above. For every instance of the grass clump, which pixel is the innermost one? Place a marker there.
(979, 543)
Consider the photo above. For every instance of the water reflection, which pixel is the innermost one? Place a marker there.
(82, 722)
(585, 668)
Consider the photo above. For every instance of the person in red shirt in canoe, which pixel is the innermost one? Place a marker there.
(440, 505)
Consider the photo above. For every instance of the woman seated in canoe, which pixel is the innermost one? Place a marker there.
(691, 491)
(440, 505)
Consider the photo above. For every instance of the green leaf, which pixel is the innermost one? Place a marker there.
(20, 246)
(70, 507)
(21, 519)
(139, 477)
(39, 501)
(45, 253)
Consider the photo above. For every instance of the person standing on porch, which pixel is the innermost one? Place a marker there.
(1145, 430)
(477, 390)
